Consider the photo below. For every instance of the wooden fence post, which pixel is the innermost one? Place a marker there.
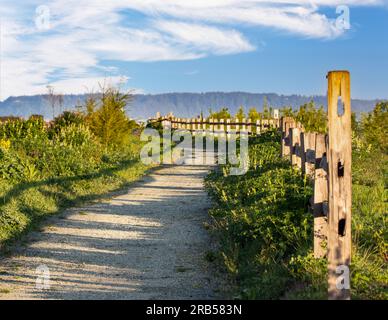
(204, 126)
(295, 147)
(307, 142)
(222, 134)
(287, 123)
(258, 129)
(264, 124)
(216, 128)
(243, 126)
(340, 184)
(249, 126)
(222, 125)
(320, 197)
(211, 127)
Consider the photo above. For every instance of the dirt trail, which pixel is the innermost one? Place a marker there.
(148, 243)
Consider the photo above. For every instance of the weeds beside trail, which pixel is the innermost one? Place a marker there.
(265, 229)
(24, 205)
(45, 167)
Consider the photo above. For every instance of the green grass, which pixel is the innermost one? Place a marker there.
(24, 205)
(45, 169)
(265, 230)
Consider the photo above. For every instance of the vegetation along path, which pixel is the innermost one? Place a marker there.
(147, 243)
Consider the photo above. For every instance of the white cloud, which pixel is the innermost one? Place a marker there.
(85, 33)
(205, 38)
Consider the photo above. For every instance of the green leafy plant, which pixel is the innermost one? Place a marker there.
(108, 120)
(265, 230)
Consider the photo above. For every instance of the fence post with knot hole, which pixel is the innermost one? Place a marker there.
(339, 184)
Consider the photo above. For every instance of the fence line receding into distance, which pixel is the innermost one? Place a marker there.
(324, 158)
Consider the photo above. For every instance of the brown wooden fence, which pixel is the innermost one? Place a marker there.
(215, 126)
(325, 159)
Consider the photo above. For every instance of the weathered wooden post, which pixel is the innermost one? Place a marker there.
(276, 117)
(264, 124)
(228, 128)
(216, 129)
(287, 123)
(222, 128)
(295, 147)
(204, 126)
(211, 127)
(166, 123)
(249, 126)
(340, 184)
(243, 125)
(307, 142)
(320, 198)
(237, 126)
(258, 129)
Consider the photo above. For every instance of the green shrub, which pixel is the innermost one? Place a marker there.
(74, 135)
(22, 129)
(222, 114)
(108, 120)
(66, 119)
(374, 127)
(312, 119)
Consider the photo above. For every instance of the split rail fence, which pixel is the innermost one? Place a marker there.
(214, 126)
(324, 158)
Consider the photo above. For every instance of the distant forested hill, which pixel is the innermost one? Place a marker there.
(181, 104)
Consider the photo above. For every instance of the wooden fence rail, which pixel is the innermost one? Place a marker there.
(215, 126)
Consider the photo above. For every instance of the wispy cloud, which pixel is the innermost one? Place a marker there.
(85, 33)
(191, 73)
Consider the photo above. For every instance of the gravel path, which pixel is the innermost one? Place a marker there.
(148, 243)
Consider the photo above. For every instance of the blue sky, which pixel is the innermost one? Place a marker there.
(154, 46)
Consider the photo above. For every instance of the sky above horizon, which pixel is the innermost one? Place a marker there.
(157, 46)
